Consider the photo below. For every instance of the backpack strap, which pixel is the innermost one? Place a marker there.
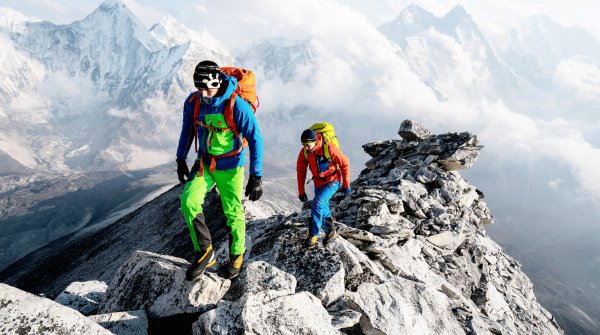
(326, 151)
(231, 126)
(327, 154)
(196, 113)
(228, 113)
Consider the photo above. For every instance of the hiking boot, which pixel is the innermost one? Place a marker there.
(201, 262)
(329, 237)
(311, 242)
(234, 266)
(331, 233)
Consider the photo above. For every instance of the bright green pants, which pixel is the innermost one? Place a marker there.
(230, 184)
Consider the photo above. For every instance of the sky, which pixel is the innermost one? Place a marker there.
(265, 18)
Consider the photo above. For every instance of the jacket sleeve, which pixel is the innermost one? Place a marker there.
(247, 125)
(301, 168)
(187, 130)
(340, 159)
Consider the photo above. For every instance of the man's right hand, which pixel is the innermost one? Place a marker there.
(303, 197)
(182, 170)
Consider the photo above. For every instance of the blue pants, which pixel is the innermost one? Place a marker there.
(320, 207)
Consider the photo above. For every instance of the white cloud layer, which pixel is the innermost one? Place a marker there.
(579, 76)
(355, 68)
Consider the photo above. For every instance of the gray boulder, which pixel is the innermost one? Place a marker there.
(265, 313)
(25, 313)
(401, 306)
(156, 283)
(83, 296)
(258, 277)
(123, 323)
(412, 130)
(342, 315)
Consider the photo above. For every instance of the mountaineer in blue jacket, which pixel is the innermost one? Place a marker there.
(220, 126)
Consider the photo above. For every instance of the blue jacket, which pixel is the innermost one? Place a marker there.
(244, 119)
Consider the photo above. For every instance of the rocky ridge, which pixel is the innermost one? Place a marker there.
(412, 258)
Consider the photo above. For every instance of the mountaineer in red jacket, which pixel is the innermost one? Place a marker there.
(328, 173)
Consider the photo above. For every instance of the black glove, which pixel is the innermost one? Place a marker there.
(182, 170)
(303, 197)
(254, 187)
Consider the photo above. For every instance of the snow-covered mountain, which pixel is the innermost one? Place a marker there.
(536, 46)
(562, 63)
(450, 53)
(106, 69)
(279, 59)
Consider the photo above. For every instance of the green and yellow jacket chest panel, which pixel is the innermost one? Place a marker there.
(218, 142)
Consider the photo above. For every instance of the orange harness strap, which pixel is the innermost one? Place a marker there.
(228, 115)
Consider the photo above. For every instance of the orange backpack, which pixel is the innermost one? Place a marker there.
(246, 90)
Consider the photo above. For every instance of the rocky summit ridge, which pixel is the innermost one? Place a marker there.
(412, 257)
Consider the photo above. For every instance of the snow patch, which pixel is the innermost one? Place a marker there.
(79, 151)
(19, 153)
(13, 20)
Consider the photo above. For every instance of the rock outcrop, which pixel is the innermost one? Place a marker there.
(123, 323)
(25, 313)
(412, 257)
(83, 296)
(157, 284)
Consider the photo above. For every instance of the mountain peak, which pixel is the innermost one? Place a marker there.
(112, 4)
(410, 21)
(169, 19)
(413, 14)
(116, 15)
(13, 20)
(456, 16)
(113, 9)
(458, 11)
(172, 32)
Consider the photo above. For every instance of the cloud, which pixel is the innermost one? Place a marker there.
(516, 137)
(554, 184)
(579, 76)
(126, 113)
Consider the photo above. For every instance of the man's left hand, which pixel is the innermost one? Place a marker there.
(254, 187)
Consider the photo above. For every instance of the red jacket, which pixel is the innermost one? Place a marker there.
(338, 170)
